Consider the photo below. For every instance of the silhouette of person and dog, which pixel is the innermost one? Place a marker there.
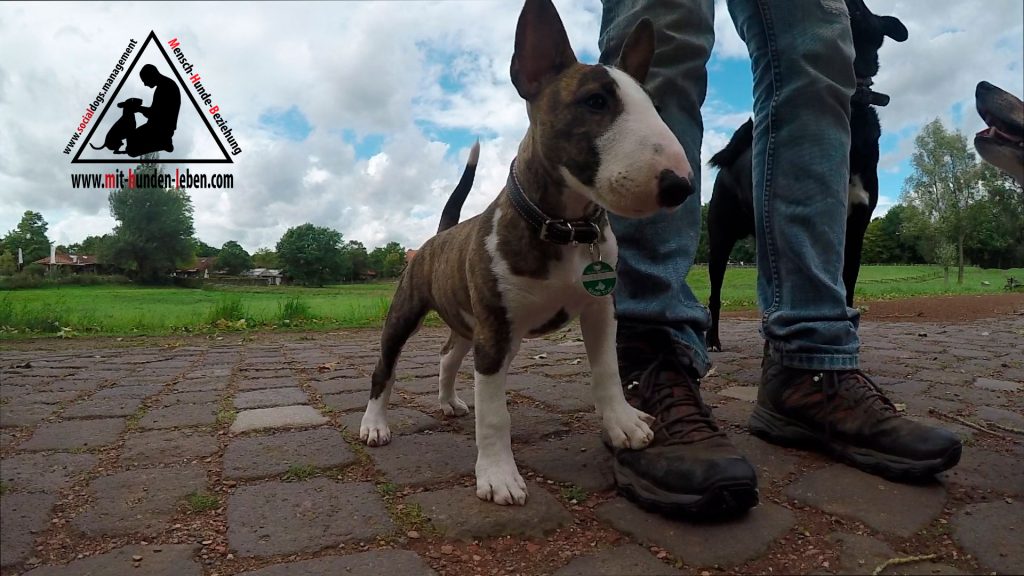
(162, 118)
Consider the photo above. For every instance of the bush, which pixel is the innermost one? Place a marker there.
(192, 283)
(294, 310)
(228, 309)
(27, 279)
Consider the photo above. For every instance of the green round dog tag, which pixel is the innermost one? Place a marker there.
(599, 278)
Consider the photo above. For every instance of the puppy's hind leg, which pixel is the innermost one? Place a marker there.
(405, 316)
(452, 354)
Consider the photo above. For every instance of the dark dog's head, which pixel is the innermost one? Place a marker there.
(130, 104)
(595, 127)
(1002, 143)
(869, 31)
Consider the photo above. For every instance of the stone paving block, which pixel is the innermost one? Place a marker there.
(423, 385)
(428, 403)
(25, 395)
(103, 407)
(530, 424)
(998, 385)
(259, 456)
(900, 509)
(279, 417)
(861, 554)
(179, 398)
(425, 458)
(178, 416)
(347, 401)
(6, 439)
(732, 411)
(580, 459)
(71, 386)
(745, 393)
(402, 421)
(157, 560)
(561, 396)
(138, 500)
(625, 559)
(270, 397)
(724, 544)
(459, 515)
(164, 447)
(22, 516)
(86, 434)
(993, 533)
(142, 391)
(773, 463)
(342, 385)
(286, 518)
(248, 382)
(988, 470)
(426, 372)
(12, 416)
(202, 385)
(1001, 416)
(43, 472)
(385, 562)
(976, 396)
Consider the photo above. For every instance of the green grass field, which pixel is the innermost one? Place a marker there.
(118, 310)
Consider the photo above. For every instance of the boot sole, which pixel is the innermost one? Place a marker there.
(778, 429)
(724, 499)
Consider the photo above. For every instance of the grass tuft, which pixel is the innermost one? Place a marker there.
(202, 502)
(297, 473)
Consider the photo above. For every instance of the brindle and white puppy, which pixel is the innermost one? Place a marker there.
(595, 142)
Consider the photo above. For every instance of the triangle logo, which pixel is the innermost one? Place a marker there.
(152, 110)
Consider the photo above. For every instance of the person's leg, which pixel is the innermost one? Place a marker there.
(656, 253)
(811, 390)
(690, 466)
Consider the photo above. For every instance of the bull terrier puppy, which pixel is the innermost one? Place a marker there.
(542, 253)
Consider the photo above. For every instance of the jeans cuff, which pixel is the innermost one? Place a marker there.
(814, 361)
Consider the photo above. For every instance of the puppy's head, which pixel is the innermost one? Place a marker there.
(869, 31)
(1002, 143)
(595, 126)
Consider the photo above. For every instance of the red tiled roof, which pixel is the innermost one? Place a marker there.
(62, 259)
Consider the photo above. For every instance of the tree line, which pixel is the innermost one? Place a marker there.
(154, 236)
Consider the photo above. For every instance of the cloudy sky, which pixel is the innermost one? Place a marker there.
(359, 116)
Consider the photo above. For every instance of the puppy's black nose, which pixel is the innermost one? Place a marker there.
(672, 189)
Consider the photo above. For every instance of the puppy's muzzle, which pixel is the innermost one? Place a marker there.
(673, 189)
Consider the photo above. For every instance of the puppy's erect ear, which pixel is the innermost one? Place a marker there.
(893, 28)
(542, 48)
(638, 51)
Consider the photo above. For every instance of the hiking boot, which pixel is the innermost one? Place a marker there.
(690, 468)
(845, 414)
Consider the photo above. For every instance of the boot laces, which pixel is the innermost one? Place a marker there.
(850, 391)
(681, 416)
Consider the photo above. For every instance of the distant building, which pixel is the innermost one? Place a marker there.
(201, 269)
(272, 276)
(76, 263)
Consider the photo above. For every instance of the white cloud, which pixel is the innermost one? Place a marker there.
(385, 69)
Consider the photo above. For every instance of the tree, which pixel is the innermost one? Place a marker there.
(154, 230)
(944, 184)
(998, 222)
(893, 238)
(265, 258)
(311, 254)
(30, 236)
(203, 250)
(358, 261)
(234, 258)
(388, 260)
(8, 264)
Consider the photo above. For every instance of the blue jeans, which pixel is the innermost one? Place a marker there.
(802, 59)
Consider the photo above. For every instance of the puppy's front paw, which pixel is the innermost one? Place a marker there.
(454, 407)
(628, 427)
(500, 483)
(374, 430)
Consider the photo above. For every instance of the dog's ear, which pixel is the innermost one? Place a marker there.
(542, 48)
(893, 28)
(638, 51)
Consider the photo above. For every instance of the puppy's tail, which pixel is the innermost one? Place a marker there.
(453, 208)
(740, 142)
(95, 147)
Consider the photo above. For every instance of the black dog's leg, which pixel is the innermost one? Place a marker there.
(856, 226)
(721, 239)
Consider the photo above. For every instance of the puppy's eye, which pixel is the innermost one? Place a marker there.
(596, 102)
